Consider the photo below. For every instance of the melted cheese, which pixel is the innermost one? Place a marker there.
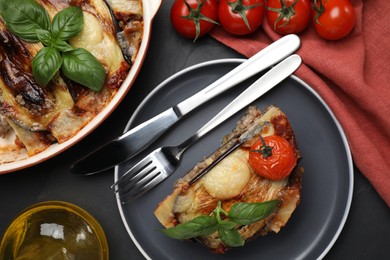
(228, 178)
(91, 35)
(99, 42)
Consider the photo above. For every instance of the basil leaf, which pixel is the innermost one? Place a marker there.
(3, 6)
(247, 213)
(230, 237)
(68, 23)
(24, 18)
(45, 64)
(63, 46)
(45, 37)
(227, 224)
(82, 67)
(199, 226)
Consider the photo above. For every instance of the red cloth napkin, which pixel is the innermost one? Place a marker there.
(352, 75)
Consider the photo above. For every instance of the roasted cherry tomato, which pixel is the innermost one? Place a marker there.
(194, 18)
(334, 19)
(272, 157)
(240, 17)
(288, 16)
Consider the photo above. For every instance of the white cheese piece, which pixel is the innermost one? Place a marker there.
(227, 179)
(184, 201)
(99, 42)
(91, 35)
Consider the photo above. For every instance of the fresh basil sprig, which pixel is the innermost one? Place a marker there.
(242, 213)
(30, 21)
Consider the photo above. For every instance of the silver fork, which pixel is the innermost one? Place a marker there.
(162, 162)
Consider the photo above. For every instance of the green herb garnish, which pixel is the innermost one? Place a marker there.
(226, 223)
(30, 21)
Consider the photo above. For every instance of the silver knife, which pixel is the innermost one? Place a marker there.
(140, 137)
(163, 161)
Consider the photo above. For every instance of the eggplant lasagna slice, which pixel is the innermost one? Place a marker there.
(40, 116)
(233, 180)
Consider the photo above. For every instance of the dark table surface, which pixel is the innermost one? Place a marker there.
(366, 234)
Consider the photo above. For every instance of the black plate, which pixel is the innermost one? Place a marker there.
(327, 181)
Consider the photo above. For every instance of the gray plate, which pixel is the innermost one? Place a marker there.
(327, 181)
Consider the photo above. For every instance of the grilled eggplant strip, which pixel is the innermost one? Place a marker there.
(130, 23)
(23, 100)
(240, 184)
(34, 142)
(130, 38)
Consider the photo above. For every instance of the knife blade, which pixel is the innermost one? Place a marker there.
(140, 137)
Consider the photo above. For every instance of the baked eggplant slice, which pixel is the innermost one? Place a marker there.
(233, 181)
(42, 115)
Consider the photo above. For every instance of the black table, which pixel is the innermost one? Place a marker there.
(366, 234)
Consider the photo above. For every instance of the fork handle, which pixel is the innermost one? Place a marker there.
(270, 79)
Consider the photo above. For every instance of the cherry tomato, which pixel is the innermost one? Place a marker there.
(272, 157)
(334, 19)
(288, 16)
(194, 18)
(240, 17)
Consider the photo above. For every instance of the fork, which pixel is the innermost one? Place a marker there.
(163, 161)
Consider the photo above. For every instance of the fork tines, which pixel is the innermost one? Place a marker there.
(139, 179)
(136, 180)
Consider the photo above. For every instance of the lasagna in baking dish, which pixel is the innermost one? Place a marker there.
(38, 116)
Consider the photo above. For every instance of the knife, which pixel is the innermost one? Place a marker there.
(140, 137)
(162, 162)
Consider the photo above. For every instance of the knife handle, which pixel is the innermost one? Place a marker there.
(270, 55)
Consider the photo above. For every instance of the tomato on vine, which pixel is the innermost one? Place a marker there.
(333, 19)
(240, 17)
(194, 18)
(272, 157)
(288, 16)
